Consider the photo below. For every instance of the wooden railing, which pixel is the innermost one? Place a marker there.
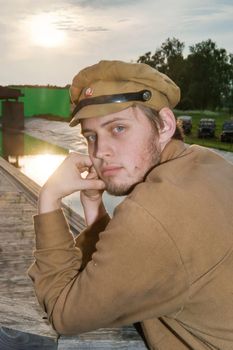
(23, 325)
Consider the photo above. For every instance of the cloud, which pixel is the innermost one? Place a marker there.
(102, 3)
(211, 14)
(209, 22)
(102, 29)
(69, 25)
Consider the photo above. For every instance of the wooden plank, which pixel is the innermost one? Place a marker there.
(104, 339)
(31, 192)
(23, 325)
(11, 339)
(25, 316)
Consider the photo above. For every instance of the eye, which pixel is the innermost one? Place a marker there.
(90, 138)
(118, 129)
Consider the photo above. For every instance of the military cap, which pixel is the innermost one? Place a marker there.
(111, 86)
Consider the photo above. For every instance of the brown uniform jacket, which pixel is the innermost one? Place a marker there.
(165, 258)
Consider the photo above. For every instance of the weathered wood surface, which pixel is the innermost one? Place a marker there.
(114, 338)
(23, 325)
(21, 319)
(31, 190)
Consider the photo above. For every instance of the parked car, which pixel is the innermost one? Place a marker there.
(227, 131)
(186, 123)
(206, 127)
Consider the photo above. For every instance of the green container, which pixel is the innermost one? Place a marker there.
(45, 101)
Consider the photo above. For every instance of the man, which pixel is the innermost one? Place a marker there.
(165, 257)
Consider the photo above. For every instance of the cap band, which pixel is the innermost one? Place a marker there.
(143, 95)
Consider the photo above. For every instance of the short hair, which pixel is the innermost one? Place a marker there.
(157, 122)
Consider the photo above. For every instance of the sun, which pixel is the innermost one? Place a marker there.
(44, 31)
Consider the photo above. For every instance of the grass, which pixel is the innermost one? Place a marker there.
(207, 142)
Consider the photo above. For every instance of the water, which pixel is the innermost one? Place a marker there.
(38, 159)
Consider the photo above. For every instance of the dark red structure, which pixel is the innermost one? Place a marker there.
(12, 111)
(7, 93)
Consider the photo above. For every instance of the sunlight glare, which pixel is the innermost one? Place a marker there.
(44, 32)
(40, 167)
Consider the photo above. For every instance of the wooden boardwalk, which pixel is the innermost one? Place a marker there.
(23, 325)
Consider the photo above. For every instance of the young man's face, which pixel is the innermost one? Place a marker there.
(123, 146)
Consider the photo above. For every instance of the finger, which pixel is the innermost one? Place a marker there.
(92, 176)
(83, 169)
(92, 170)
(81, 160)
(82, 163)
(87, 184)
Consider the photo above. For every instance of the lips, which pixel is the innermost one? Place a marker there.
(110, 170)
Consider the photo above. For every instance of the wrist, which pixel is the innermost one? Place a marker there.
(48, 202)
(94, 213)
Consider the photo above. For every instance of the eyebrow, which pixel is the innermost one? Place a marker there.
(105, 124)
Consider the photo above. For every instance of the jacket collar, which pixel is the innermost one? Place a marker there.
(173, 149)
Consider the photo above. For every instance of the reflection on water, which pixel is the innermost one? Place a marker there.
(12, 146)
(38, 160)
(40, 167)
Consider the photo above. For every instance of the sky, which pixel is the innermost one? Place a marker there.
(47, 42)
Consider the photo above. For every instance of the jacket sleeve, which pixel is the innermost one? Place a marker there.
(136, 273)
(86, 241)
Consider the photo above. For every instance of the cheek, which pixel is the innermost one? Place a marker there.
(93, 159)
(90, 150)
(134, 157)
(91, 153)
(95, 162)
(142, 155)
(140, 162)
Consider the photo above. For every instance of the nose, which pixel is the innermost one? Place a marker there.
(103, 148)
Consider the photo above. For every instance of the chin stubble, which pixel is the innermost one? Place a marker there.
(153, 160)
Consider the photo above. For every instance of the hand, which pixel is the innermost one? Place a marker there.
(91, 200)
(67, 179)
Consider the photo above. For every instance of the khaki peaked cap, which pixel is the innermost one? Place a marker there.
(117, 77)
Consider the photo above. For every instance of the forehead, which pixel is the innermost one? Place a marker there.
(134, 115)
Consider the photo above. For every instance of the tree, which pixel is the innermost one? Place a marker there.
(205, 76)
(146, 58)
(210, 73)
(166, 58)
(169, 60)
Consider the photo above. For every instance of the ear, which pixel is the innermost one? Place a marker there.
(169, 126)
